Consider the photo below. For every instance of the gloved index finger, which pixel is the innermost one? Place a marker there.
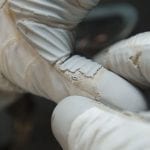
(130, 59)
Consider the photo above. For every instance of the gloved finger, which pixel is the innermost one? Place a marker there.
(57, 13)
(21, 64)
(43, 22)
(130, 59)
(33, 74)
(79, 123)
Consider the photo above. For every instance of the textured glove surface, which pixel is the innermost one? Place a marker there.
(47, 24)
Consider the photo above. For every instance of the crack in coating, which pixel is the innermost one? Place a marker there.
(78, 66)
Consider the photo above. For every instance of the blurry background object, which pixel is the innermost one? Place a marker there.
(25, 125)
(105, 25)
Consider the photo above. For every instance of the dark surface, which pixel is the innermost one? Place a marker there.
(143, 10)
(29, 126)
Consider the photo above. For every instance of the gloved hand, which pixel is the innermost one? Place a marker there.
(130, 59)
(91, 125)
(79, 123)
(36, 42)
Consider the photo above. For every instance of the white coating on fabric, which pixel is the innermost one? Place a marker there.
(103, 84)
(76, 63)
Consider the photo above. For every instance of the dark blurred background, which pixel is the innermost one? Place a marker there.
(143, 11)
(26, 125)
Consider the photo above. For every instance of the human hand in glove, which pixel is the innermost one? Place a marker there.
(80, 123)
(36, 42)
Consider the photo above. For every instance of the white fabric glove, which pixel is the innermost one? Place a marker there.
(130, 59)
(79, 123)
(36, 40)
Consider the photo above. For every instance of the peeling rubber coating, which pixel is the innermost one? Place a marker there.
(81, 64)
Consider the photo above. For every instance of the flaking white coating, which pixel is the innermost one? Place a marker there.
(76, 63)
(104, 85)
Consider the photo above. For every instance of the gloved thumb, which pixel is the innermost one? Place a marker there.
(80, 123)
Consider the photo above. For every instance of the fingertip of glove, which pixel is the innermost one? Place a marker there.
(64, 115)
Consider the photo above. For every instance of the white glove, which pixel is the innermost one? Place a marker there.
(32, 27)
(79, 123)
(36, 41)
(130, 59)
(93, 126)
